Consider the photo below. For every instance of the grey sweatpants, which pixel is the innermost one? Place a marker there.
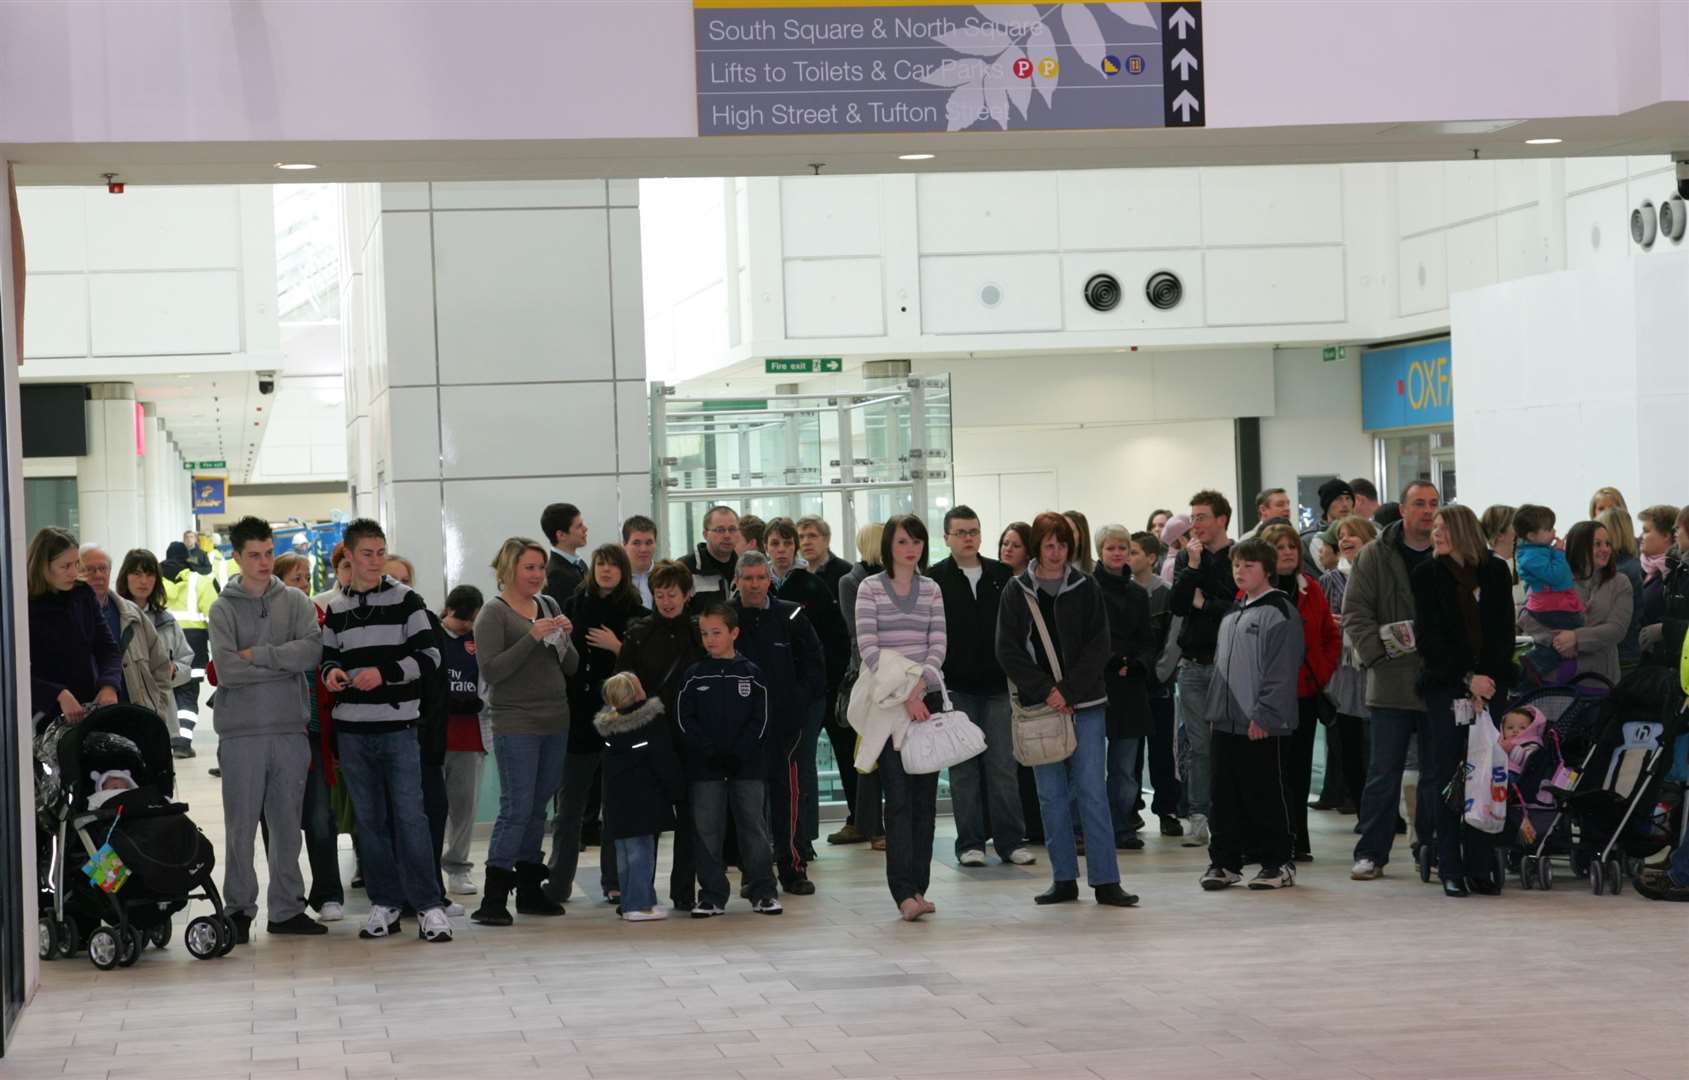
(463, 788)
(263, 775)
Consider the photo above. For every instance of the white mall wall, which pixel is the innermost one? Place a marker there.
(495, 363)
(1583, 382)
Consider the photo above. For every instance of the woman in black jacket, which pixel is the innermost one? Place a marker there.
(599, 611)
(658, 650)
(1071, 607)
(1131, 664)
(1463, 623)
(73, 658)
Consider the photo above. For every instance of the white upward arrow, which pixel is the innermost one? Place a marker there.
(1184, 103)
(1182, 21)
(1183, 63)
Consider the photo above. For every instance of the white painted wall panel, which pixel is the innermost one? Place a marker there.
(1420, 197)
(55, 316)
(1422, 273)
(55, 228)
(823, 216)
(1583, 173)
(518, 194)
(1469, 189)
(529, 287)
(1312, 395)
(834, 298)
(988, 212)
(1027, 286)
(1471, 255)
(1521, 247)
(527, 429)
(146, 314)
(407, 279)
(1122, 209)
(1519, 182)
(1276, 204)
(164, 228)
(1274, 286)
(1597, 227)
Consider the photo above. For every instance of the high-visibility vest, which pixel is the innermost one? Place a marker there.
(189, 597)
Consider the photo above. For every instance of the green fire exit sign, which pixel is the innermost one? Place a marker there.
(804, 365)
(1335, 352)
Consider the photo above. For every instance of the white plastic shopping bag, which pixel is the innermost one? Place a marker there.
(1486, 776)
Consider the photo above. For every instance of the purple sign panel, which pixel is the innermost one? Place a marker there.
(766, 68)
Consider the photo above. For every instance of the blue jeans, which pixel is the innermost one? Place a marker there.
(529, 769)
(636, 869)
(1123, 787)
(1197, 750)
(712, 801)
(1393, 733)
(384, 778)
(1082, 775)
(989, 780)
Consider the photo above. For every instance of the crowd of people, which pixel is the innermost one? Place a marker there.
(623, 698)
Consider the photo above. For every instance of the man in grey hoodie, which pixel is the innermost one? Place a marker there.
(265, 643)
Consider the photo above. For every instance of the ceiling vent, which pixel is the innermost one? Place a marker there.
(1102, 292)
(1164, 290)
(1672, 218)
(1644, 224)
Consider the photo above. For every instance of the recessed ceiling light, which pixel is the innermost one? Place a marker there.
(294, 166)
(915, 157)
(1542, 142)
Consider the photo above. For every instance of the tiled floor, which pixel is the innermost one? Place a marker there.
(1328, 981)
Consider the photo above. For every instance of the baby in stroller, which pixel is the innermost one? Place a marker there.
(118, 857)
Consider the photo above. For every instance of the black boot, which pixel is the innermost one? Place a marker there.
(530, 891)
(1059, 892)
(495, 894)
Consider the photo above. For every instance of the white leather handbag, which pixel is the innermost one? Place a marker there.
(947, 738)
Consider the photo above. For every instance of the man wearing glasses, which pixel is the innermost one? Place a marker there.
(712, 562)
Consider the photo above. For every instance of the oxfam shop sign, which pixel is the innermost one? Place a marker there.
(1407, 387)
(801, 67)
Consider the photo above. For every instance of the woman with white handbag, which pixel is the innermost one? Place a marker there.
(1463, 622)
(900, 611)
(1053, 643)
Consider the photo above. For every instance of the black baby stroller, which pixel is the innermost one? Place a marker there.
(1617, 802)
(1574, 719)
(157, 861)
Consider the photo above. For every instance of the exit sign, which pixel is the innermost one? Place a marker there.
(190, 466)
(826, 365)
(1335, 352)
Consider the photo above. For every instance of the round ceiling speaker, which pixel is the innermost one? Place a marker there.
(1102, 292)
(1644, 224)
(1164, 290)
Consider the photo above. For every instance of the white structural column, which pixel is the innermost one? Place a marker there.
(165, 487)
(496, 363)
(108, 478)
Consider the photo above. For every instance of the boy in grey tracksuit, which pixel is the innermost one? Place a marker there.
(1251, 706)
(264, 643)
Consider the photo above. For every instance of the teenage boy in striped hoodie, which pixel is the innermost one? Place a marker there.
(378, 650)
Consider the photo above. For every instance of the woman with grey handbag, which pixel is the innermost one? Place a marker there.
(1052, 640)
(900, 611)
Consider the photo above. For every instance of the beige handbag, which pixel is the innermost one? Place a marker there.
(1043, 735)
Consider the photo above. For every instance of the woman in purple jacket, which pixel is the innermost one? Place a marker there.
(73, 658)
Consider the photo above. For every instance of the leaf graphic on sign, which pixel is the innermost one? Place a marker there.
(1009, 14)
(1084, 34)
(953, 73)
(1041, 46)
(1136, 14)
(978, 40)
(963, 106)
(1002, 85)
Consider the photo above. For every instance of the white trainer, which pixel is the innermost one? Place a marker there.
(1197, 834)
(1022, 856)
(1365, 870)
(382, 922)
(461, 884)
(331, 912)
(971, 857)
(433, 925)
(454, 910)
(655, 914)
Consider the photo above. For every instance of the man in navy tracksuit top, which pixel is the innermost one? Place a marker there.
(379, 648)
(723, 720)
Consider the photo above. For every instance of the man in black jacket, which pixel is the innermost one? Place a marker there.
(1203, 591)
(565, 531)
(814, 539)
(971, 586)
(777, 637)
(711, 562)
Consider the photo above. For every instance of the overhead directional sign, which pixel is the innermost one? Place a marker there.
(790, 67)
(190, 466)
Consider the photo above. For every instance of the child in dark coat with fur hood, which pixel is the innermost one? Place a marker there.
(642, 782)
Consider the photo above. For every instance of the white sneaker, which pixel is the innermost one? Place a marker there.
(433, 925)
(1022, 856)
(461, 884)
(971, 857)
(1197, 834)
(454, 910)
(1365, 870)
(656, 913)
(382, 922)
(331, 912)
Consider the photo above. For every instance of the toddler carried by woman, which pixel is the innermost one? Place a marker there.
(1550, 595)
